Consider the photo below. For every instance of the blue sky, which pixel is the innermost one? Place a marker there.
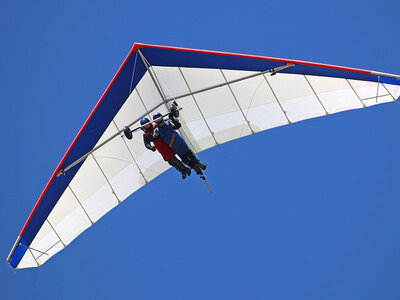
(306, 211)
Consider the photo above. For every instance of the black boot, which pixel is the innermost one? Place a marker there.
(197, 170)
(202, 166)
(188, 171)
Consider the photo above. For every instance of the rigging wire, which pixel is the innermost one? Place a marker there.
(377, 89)
(248, 107)
(133, 73)
(162, 84)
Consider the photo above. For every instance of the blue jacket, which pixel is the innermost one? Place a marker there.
(172, 138)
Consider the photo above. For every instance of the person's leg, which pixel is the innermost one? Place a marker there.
(187, 161)
(187, 158)
(192, 157)
(177, 164)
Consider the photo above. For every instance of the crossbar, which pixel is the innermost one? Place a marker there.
(83, 157)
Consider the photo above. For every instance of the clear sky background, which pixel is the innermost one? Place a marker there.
(306, 211)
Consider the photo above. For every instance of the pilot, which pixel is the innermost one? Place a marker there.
(178, 145)
(159, 144)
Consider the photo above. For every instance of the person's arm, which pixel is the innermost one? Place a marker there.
(174, 123)
(156, 135)
(147, 144)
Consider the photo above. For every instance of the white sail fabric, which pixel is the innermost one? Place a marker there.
(115, 171)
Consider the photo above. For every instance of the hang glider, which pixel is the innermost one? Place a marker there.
(224, 96)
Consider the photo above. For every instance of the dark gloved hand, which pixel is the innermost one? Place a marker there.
(173, 119)
(156, 135)
(153, 148)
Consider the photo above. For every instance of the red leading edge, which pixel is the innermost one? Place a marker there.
(73, 143)
(291, 61)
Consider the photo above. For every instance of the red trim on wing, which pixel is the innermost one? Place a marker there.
(291, 61)
(74, 141)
